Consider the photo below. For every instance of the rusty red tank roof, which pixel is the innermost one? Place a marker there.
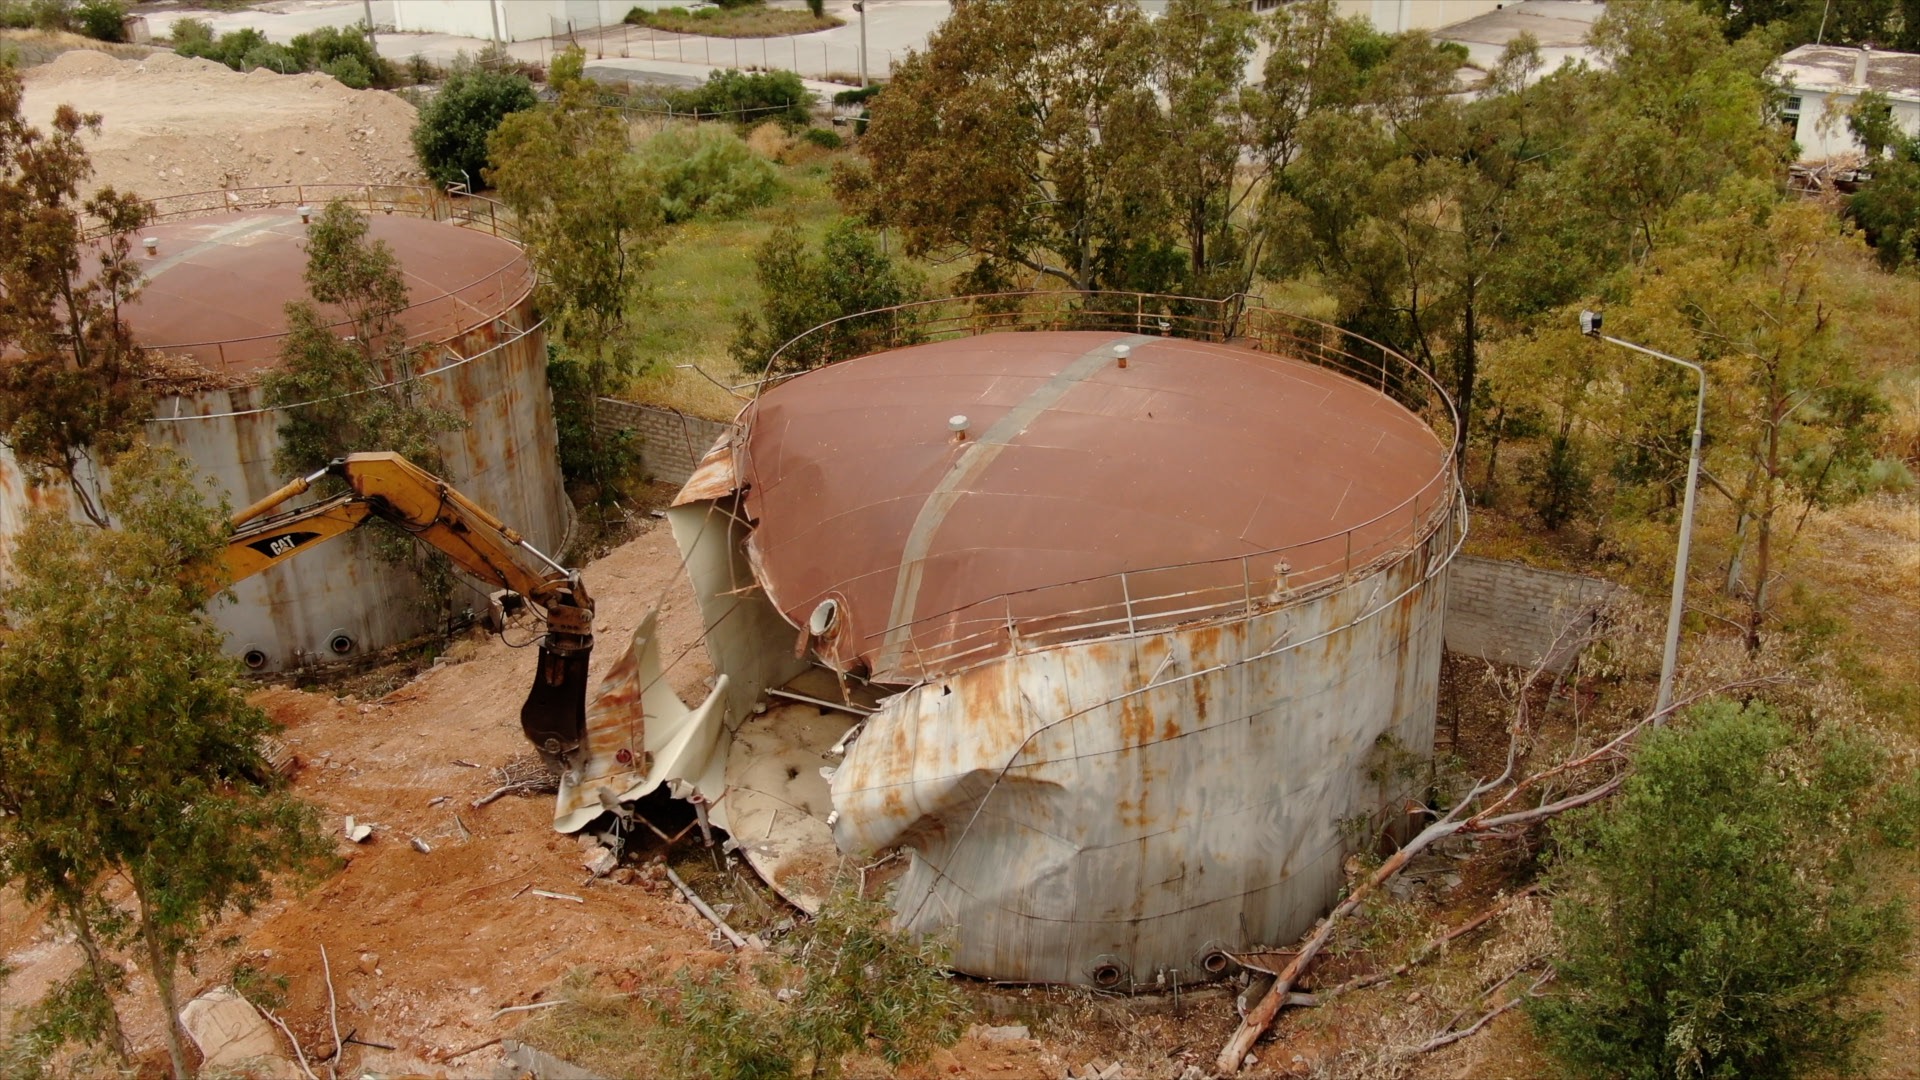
(217, 285)
(1208, 474)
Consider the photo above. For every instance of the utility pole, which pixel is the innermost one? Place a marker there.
(861, 7)
(1590, 326)
(372, 44)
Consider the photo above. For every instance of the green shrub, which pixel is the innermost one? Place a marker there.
(1716, 919)
(15, 15)
(102, 20)
(748, 99)
(273, 57)
(855, 97)
(350, 71)
(328, 48)
(824, 137)
(450, 138)
(192, 37)
(706, 171)
(52, 14)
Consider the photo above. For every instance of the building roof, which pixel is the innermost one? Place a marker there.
(1832, 68)
(217, 286)
(1201, 471)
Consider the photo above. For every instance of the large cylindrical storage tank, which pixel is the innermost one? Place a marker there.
(1161, 621)
(213, 308)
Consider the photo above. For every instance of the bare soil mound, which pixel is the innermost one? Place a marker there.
(172, 124)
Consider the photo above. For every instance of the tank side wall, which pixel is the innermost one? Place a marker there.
(1149, 800)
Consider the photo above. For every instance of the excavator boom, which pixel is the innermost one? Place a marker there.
(389, 487)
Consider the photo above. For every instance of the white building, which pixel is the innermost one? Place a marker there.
(1823, 82)
(514, 20)
(1390, 16)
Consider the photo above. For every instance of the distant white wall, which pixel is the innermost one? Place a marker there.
(1393, 16)
(1822, 131)
(513, 20)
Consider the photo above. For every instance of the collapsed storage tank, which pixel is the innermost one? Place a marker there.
(1131, 628)
(219, 269)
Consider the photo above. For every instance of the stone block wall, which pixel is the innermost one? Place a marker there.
(1512, 613)
(671, 443)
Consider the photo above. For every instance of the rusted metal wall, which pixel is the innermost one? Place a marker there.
(505, 459)
(1113, 812)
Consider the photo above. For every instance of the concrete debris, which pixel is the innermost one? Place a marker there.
(1007, 1033)
(422, 846)
(232, 1035)
(540, 1064)
(357, 832)
(1193, 1072)
(600, 861)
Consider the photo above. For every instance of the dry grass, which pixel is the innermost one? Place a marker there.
(741, 22)
(29, 48)
(602, 1030)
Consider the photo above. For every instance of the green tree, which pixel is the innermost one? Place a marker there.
(1887, 206)
(1716, 918)
(801, 289)
(128, 749)
(362, 391)
(1746, 288)
(1027, 137)
(589, 214)
(451, 136)
(1883, 23)
(71, 395)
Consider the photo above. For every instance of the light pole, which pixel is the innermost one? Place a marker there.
(861, 7)
(1590, 326)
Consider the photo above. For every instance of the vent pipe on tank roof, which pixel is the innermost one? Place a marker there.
(151, 244)
(958, 425)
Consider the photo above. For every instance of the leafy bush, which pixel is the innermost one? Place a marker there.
(608, 461)
(451, 136)
(707, 171)
(802, 290)
(191, 37)
(51, 14)
(748, 98)
(1716, 919)
(15, 15)
(350, 71)
(273, 57)
(230, 48)
(824, 138)
(868, 989)
(855, 97)
(102, 20)
(328, 48)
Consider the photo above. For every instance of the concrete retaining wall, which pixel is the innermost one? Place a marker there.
(671, 443)
(1512, 613)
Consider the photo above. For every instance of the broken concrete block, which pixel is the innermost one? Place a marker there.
(357, 832)
(232, 1035)
(600, 861)
(1008, 1033)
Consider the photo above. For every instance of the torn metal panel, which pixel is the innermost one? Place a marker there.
(1111, 813)
(640, 735)
(778, 801)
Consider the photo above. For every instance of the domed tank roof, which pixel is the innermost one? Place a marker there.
(217, 286)
(1083, 496)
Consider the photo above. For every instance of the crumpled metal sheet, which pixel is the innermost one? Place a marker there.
(635, 711)
(1113, 812)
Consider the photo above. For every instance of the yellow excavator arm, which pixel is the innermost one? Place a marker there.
(390, 487)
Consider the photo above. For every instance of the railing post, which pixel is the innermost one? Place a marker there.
(1126, 595)
(1246, 583)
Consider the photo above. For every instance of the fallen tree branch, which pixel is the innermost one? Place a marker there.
(1424, 952)
(284, 1030)
(495, 1041)
(1451, 1037)
(1261, 1017)
(333, 1014)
